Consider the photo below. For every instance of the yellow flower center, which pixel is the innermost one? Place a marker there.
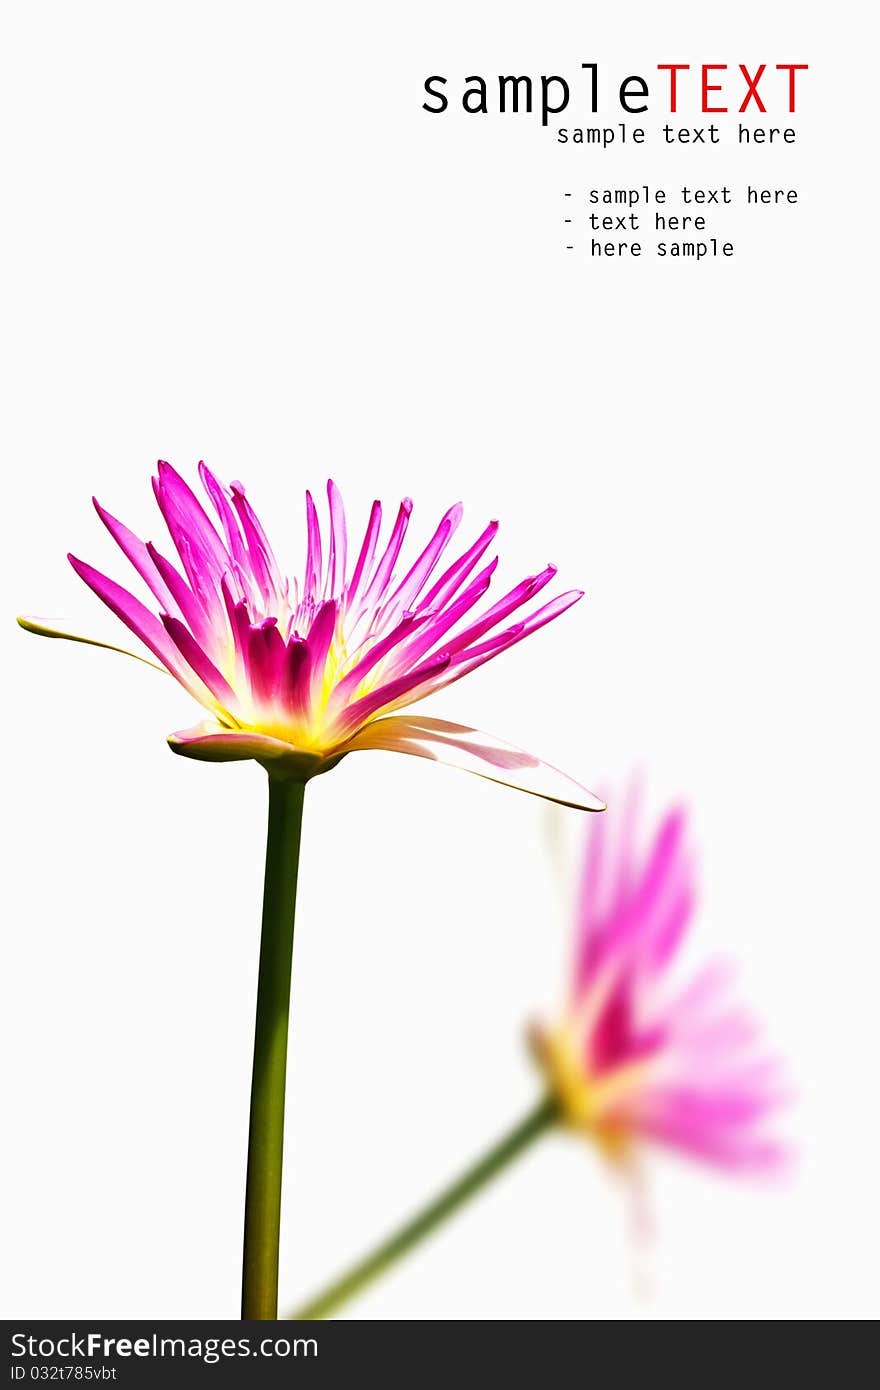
(590, 1102)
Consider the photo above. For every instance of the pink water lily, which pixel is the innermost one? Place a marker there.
(297, 675)
(633, 1056)
(636, 1056)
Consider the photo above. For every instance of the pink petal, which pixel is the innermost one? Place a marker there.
(266, 656)
(338, 557)
(185, 604)
(138, 553)
(385, 695)
(201, 551)
(318, 643)
(440, 623)
(261, 558)
(412, 584)
(227, 515)
(201, 663)
(465, 662)
(294, 679)
(314, 562)
(364, 564)
(376, 653)
(515, 598)
(138, 619)
(239, 623)
(383, 574)
(452, 579)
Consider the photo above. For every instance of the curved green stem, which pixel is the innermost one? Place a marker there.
(262, 1212)
(515, 1142)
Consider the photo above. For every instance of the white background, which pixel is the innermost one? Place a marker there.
(231, 233)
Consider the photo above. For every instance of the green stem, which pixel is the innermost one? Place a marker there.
(262, 1211)
(408, 1236)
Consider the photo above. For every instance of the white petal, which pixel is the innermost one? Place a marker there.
(473, 751)
(43, 629)
(212, 743)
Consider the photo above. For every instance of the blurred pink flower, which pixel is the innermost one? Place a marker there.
(634, 1056)
(298, 675)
